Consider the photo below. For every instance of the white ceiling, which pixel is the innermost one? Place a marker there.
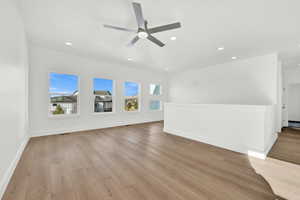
(244, 27)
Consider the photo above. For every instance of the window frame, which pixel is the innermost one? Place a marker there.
(139, 97)
(52, 116)
(114, 99)
(155, 97)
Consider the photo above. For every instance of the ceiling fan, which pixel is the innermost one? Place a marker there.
(143, 32)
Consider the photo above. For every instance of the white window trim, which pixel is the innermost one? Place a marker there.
(139, 97)
(50, 115)
(113, 99)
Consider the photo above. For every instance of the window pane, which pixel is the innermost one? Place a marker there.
(103, 90)
(131, 89)
(131, 96)
(63, 90)
(155, 105)
(155, 90)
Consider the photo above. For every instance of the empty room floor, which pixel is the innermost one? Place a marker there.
(138, 162)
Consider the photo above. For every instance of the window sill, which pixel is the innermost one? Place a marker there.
(138, 111)
(160, 110)
(63, 116)
(103, 113)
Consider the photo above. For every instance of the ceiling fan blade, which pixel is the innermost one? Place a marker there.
(146, 25)
(164, 28)
(155, 40)
(139, 14)
(119, 28)
(133, 41)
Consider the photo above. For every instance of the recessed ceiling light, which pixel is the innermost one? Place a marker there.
(233, 57)
(129, 59)
(173, 38)
(220, 48)
(68, 43)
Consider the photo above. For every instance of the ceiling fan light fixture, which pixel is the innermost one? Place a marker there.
(142, 35)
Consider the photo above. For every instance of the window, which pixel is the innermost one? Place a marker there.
(63, 94)
(131, 96)
(155, 90)
(103, 95)
(155, 105)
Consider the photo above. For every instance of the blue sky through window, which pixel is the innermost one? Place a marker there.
(63, 83)
(131, 89)
(103, 84)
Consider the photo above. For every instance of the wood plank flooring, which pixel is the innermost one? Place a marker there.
(287, 147)
(138, 162)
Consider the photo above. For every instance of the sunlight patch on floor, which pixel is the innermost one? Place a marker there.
(283, 177)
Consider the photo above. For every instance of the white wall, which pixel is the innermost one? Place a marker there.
(284, 100)
(243, 128)
(250, 81)
(279, 105)
(291, 95)
(13, 90)
(294, 102)
(43, 61)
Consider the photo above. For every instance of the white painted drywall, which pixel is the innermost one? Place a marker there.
(254, 81)
(43, 61)
(13, 90)
(279, 104)
(294, 102)
(284, 100)
(235, 105)
(292, 75)
(250, 81)
(291, 95)
(243, 128)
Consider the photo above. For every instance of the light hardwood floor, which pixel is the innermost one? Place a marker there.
(287, 147)
(138, 162)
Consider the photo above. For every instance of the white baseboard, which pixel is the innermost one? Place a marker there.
(62, 131)
(10, 171)
(264, 155)
(256, 154)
